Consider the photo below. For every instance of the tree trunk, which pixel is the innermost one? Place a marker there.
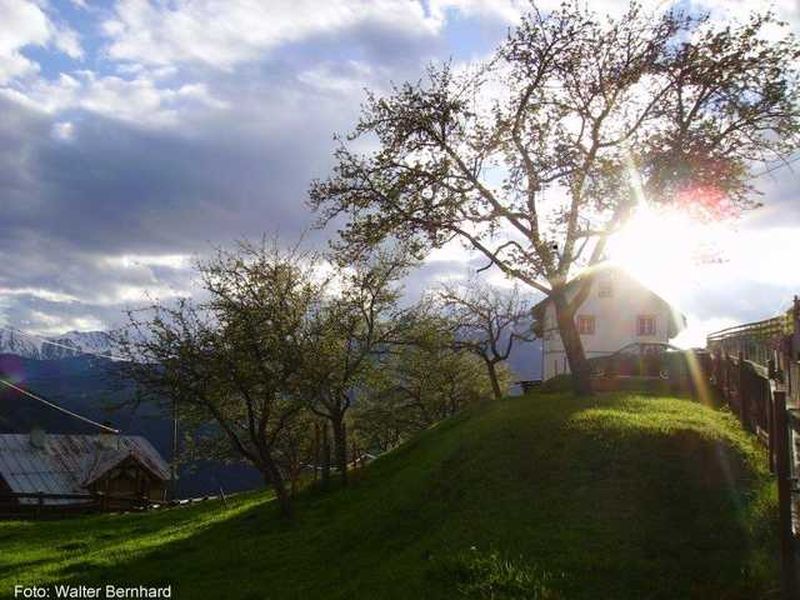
(317, 452)
(573, 347)
(491, 367)
(272, 477)
(340, 445)
(326, 456)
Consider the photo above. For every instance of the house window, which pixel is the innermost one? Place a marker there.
(605, 287)
(586, 324)
(645, 325)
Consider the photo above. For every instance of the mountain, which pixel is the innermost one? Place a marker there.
(525, 360)
(20, 345)
(73, 343)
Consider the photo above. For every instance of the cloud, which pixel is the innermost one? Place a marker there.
(223, 34)
(194, 123)
(25, 23)
(139, 100)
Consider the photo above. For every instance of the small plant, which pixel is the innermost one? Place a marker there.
(490, 575)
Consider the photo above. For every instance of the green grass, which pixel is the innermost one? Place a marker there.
(546, 496)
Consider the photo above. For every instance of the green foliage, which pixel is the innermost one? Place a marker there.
(345, 338)
(232, 363)
(618, 496)
(425, 379)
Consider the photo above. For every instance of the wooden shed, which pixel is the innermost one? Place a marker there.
(58, 470)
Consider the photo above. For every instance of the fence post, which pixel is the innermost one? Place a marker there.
(771, 426)
(742, 392)
(783, 471)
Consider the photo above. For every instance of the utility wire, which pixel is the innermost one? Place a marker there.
(57, 407)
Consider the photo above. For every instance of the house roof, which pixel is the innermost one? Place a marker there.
(678, 317)
(67, 464)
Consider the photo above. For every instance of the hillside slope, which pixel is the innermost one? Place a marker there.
(539, 496)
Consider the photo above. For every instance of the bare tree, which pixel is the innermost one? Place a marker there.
(487, 321)
(534, 159)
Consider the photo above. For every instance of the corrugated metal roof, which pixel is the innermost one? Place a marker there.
(66, 464)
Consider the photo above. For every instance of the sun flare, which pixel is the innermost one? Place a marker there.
(665, 249)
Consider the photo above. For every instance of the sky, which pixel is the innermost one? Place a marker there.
(135, 135)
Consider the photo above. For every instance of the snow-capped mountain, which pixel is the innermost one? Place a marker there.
(73, 343)
(13, 343)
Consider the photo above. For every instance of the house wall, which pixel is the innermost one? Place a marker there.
(129, 479)
(616, 319)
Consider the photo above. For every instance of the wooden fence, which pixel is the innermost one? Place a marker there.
(755, 369)
(43, 505)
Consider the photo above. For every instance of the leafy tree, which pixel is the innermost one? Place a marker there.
(534, 159)
(487, 321)
(231, 363)
(346, 337)
(423, 380)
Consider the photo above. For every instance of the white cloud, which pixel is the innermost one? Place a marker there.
(63, 131)
(25, 23)
(47, 324)
(67, 40)
(510, 10)
(139, 100)
(224, 33)
(42, 293)
(129, 261)
(697, 330)
(331, 77)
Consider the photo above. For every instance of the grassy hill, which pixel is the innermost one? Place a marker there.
(543, 496)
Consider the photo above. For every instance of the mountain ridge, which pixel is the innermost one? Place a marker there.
(66, 345)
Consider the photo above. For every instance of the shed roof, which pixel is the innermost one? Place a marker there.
(67, 464)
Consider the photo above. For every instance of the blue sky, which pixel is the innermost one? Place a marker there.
(135, 134)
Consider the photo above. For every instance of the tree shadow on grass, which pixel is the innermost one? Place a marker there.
(642, 501)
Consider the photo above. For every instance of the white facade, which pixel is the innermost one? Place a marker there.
(618, 311)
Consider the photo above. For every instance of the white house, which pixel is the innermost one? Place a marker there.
(618, 311)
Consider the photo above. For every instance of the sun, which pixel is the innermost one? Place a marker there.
(665, 248)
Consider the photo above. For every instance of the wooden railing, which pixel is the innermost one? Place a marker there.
(779, 325)
(755, 368)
